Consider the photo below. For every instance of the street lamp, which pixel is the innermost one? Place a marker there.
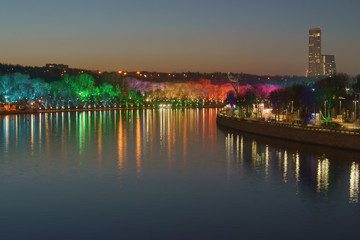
(340, 108)
(340, 98)
(355, 101)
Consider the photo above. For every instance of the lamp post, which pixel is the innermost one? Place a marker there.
(340, 113)
(355, 101)
(340, 108)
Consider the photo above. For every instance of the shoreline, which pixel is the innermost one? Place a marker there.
(98, 109)
(337, 138)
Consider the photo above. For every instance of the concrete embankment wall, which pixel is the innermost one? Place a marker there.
(326, 137)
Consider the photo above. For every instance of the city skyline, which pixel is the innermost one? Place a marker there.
(319, 64)
(202, 36)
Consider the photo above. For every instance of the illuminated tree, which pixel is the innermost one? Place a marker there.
(19, 87)
(279, 100)
(328, 91)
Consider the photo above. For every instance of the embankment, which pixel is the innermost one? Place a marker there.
(339, 138)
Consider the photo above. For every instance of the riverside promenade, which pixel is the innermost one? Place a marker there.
(331, 137)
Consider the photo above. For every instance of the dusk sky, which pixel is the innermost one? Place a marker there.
(250, 36)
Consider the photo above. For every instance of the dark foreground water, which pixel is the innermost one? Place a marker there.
(168, 174)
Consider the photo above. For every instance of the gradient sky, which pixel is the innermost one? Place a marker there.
(250, 36)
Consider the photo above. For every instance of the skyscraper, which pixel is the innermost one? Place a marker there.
(315, 68)
(328, 65)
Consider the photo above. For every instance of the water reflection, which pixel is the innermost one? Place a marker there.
(100, 143)
(6, 129)
(121, 144)
(32, 134)
(138, 147)
(354, 183)
(297, 169)
(135, 142)
(172, 166)
(323, 175)
(285, 167)
(267, 164)
(307, 168)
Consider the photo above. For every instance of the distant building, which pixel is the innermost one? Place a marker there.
(319, 65)
(315, 69)
(56, 66)
(328, 65)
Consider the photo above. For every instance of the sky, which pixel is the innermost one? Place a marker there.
(250, 36)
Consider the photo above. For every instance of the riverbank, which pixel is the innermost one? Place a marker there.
(99, 109)
(339, 138)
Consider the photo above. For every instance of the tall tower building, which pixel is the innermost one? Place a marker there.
(315, 68)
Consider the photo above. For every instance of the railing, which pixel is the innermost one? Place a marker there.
(295, 126)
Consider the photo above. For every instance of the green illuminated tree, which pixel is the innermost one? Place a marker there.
(328, 91)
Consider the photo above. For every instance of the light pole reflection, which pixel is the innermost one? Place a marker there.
(297, 168)
(285, 166)
(99, 142)
(254, 152)
(138, 146)
(242, 150)
(6, 128)
(122, 144)
(237, 150)
(229, 152)
(323, 175)
(32, 134)
(354, 183)
(267, 162)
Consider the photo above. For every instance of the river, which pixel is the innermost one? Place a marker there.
(168, 174)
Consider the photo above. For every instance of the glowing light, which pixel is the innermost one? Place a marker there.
(285, 167)
(267, 165)
(323, 175)
(297, 169)
(81, 91)
(354, 183)
(138, 146)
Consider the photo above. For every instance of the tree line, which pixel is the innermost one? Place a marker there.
(327, 97)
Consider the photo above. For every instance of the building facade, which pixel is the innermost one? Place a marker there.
(315, 68)
(328, 65)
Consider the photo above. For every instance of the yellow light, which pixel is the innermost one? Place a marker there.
(120, 72)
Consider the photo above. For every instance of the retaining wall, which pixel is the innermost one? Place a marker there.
(321, 136)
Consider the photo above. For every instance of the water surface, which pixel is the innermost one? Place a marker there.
(168, 174)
